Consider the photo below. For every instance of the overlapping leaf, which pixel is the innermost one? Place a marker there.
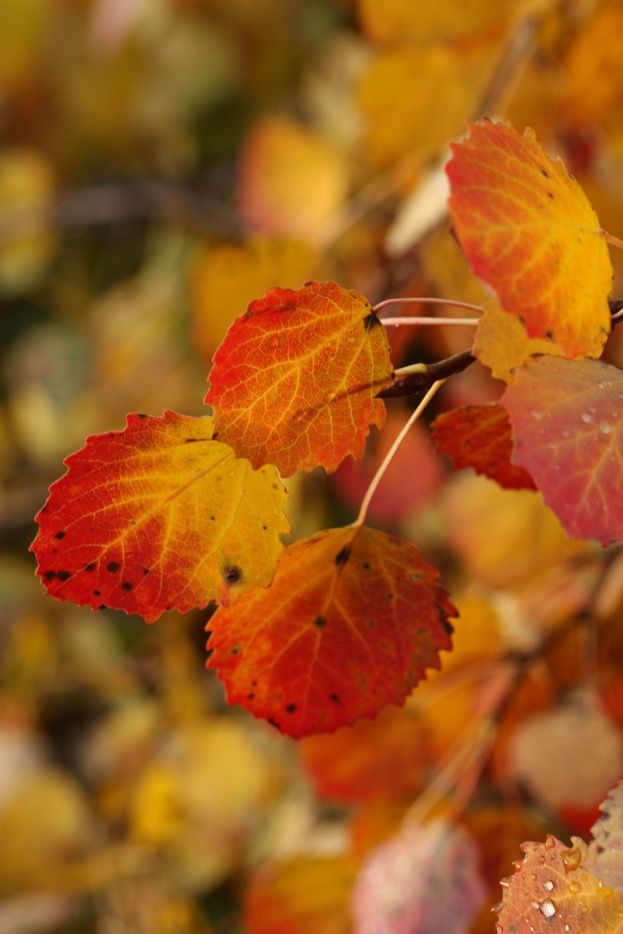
(605, 851)
(551, 893)
(159, 516)
(351, 622)
(567, 419)
(295, 381)
(502, 344)
(479, 436)
(527, 229)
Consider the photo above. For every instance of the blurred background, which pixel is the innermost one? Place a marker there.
(162, 163)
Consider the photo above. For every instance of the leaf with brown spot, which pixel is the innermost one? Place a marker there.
(295, 381)
(350, 624)
(158, 516)
(526, 228)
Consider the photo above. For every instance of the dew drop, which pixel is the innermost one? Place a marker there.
(548, 886)
(575, 887)
(536, 415)
(547, 908)
(566, 928)
(605, 428)
(586, 418)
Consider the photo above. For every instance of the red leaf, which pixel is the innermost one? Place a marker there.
(143, 520)
(349, 625)
(567, 419)
(295, 381)
(479, 436)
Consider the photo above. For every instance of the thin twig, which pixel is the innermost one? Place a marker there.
(466, 322)
(426, 300)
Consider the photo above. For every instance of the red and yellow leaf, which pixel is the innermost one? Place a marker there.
(502, 344)
(479, 436)
(351, 622)
(159, 516)
(295, 381)
(529, 231)
(551, 893)
(567, 419)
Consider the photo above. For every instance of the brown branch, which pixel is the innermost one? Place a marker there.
(415, 383)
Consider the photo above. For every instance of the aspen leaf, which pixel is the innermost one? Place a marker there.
(371, 761)
(426, 878)
(551, 893)
(569, 755)
(295, 381)
(502, 343)
(567, 419)
(158, 516)
(526, 228)
(291, 181)
(226, 278)
(399, 21)
(305, 895)
(479, 436)
(605, 851)
(351, 622)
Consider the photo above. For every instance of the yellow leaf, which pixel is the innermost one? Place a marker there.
(502, 343)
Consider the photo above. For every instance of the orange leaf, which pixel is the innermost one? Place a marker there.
(351, 622)
(502, 344)
(291, 181)
(479, 436)
(371, 761)
(567, 419)
(295, 381)
(527, 229)
(305, 895)
(550, 893)
(145, 521)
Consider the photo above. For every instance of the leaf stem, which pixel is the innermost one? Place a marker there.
(612, 240)
(361, 518)
(466, 322)
(425, 300)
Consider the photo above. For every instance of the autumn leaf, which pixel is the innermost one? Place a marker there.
(158, 516)
(479, 436)
(304, 895)
(568, 430)
(605, 851)
(398, 21)
(351, 622)
(551, 893)
(295, 381)
(426, 878)
(371, 761)
(526, 228)
(502, 343)
(291, 180)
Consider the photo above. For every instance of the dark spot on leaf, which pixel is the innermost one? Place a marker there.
(544, 172)
(127, 585)
(335, 697)
(275, 486)
(64, 575)
(320, 621)
(60, 535)
(250, 695)
(550, 195)
(447, 626)
(371, 321)
(192, 440)
(264, 528)
(308, 283)
(49, 575)
(215, 436)
(142, 415)
(273, 722)
(146, 570)
(113, 566)
(231, 574)
(102, 606)
(342, 556)
(550, 334)
(390, 596)
(366, 565)
(235, 650)
(97, 593)
(291, 708)
(90, 566)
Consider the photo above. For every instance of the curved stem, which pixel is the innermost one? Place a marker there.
(466, 322)
(361, 518)
(424, 300)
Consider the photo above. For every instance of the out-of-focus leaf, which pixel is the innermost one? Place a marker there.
(605, 851)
